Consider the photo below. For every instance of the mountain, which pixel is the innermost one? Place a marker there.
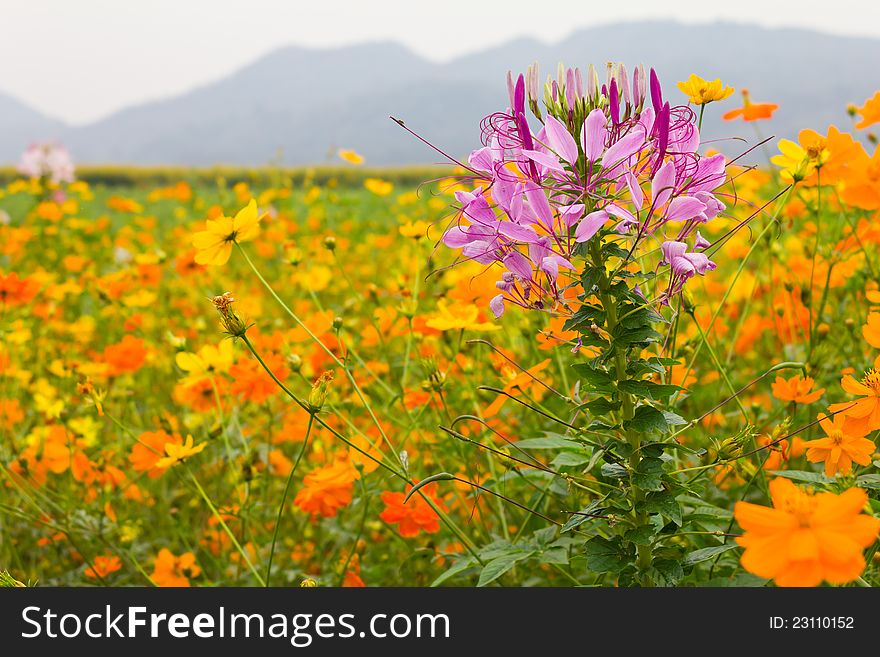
(298, 105)
(20, 125)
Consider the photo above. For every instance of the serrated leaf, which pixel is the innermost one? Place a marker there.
(641, 535)
(601, 406)
(673, 419)
(594, 379)
(647, 419)
(666, 572)
(608, 556)
(625, 337)
(649, 475)
(648, 389)
(665, 504)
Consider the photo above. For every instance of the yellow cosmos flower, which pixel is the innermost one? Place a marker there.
(209, 360)
(378, 187)
(415, 229)
(703, 92)
(177, 453)
(794, 161)
(351, 156)
(214, 244)
(458, 318)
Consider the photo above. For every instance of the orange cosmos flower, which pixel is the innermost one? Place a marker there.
(103, 566)
(352, 578)
(414, 516)
(10, 413)
(861, 186)
(15, 291)
(796, 389)
(185, 264)
(327, 489)
(751, 111)
(871, 330)
(806, 538)
(149, 448)
(252, 382)
(125, 356)
(870, 112)
(170, 570)
(843, 444)
(864, 411)
(780, 453)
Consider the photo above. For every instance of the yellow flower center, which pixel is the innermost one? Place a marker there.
(836, 436)
(801, 506)
(872, 381)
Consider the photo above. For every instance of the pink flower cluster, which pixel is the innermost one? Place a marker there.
(47, 160)
(612, 159)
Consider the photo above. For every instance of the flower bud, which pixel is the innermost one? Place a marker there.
(330, 243)
(295, 362)
(318, 394)
(308, 583)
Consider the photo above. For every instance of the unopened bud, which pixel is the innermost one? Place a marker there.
(330, 243)
(308, 583)
(318, 394)
(295, 362)
(235, 326)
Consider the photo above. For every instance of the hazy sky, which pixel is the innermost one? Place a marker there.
(79, 60)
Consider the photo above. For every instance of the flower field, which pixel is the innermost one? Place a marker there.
(595, 352)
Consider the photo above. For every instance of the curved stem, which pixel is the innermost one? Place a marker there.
(302, 451)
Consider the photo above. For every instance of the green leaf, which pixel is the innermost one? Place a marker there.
(608, 556)
(500, 565)
(584, 515)
(666, 572)
(594, 379)
(644, 316)
(556, 555)
(648, 389)
(570, 459)
(803, 475)
(649, 474)
(704, 554)
(613, 470)
(647, 419)
(624, 337)
(601, 406)
(665, 504)
(673, 419)
(548, 441)
(641, 535)
(440, 476)
(455, 570)
(870, 481)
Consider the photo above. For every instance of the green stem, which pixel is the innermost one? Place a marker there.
(225, 527)
(302, 451)
(644, 558)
